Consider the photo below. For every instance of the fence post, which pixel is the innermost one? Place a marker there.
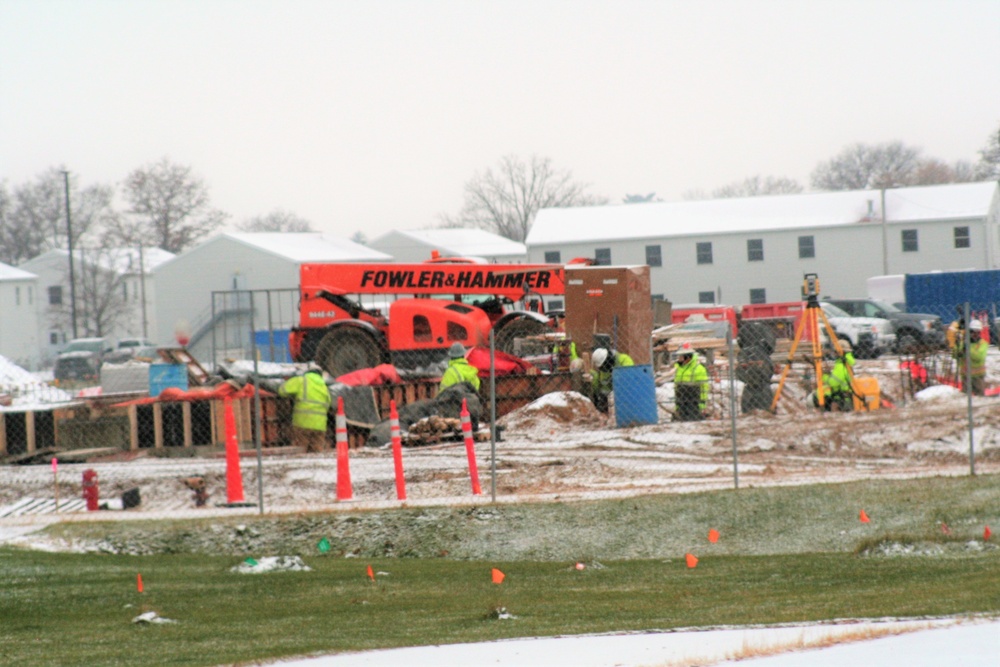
(732, 402)
(968, 387)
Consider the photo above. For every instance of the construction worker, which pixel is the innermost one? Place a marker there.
(977, 357)
(312, 404)
(690, 385)
(602, 364)
(837, 386)
(459, 369)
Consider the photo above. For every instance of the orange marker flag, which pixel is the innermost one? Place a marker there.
(945, 529)
(713, 536)
(986, 534)
(864, 517)
(138, 582)
(371, 575)
(692, 561)
(498, 576)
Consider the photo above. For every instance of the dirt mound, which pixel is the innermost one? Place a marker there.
(553, 412)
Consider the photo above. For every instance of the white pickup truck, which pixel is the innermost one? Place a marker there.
(869, 336)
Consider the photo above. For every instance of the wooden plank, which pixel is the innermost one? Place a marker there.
(157, 425)
(29, 428)
(133, 427)
(3, 434)
(186, 417)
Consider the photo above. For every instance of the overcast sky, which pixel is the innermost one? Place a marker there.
(372, 115)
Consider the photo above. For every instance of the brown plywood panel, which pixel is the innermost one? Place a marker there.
(613, 301)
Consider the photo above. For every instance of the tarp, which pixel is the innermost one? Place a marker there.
(381, 374)
(218, 392)
(505, 364)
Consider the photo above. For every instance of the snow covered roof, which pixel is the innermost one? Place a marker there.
(460, 242)
(718, 216)
(308, 246)
(8, 272)
(120, 260)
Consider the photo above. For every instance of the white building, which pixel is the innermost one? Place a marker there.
(757, 249)
(418, 245)
(195, 289)
(127, 269)
(19, 323)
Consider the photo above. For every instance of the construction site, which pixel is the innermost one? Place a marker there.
(216, 437)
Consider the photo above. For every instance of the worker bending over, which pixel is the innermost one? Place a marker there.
(838, 389)
(602, 364)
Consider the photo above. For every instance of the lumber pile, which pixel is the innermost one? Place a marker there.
(434, 430)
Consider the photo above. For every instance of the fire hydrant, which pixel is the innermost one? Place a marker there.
(91, 493)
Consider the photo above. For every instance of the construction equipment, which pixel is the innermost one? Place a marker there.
(354, 316)
(809, 325)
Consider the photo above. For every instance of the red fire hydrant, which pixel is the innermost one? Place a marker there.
(91, 493)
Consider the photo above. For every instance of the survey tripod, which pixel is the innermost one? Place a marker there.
(810, 322)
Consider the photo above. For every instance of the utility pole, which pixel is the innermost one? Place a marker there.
(69, 243)
(142, 291)
(885, 241)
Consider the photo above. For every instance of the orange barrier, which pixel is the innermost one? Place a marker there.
(470, 448)
(343, 463)
(397, 451)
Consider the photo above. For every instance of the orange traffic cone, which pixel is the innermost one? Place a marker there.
(344, 491)
(470, 448)
(234, 478)
(397, 451)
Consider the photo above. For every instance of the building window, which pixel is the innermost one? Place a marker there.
(653, 256)
(755, 250)
(55, 295)
(17, 296)
(457, 331)
(706, 297)
(53, 338)
(807, 247)
(962, 239)
(421, 328)
(602, 256)
(758, 295)
(704, 250)
(553, 257)
(31, 296)
(910, 243)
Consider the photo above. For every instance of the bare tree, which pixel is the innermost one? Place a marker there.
(640, 199)
(101, 302)
(863, 166)
(34, 217)
(505, 201)
(756, 186)
(169, 207)
(988, 168)
(276, 221)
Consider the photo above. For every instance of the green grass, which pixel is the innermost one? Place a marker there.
(73, 609)
(76, 609)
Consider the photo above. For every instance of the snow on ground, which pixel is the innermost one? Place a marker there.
(932, 643)
(27, 390)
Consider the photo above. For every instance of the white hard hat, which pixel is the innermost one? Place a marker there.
(845, 345)
(975, 325)
(600, 356)
(685, 350)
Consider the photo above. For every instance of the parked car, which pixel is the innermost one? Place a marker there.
(81, 359)
(869, 336)
(131, 344)
(913, 330)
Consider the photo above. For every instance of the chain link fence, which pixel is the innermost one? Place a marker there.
(186, 432)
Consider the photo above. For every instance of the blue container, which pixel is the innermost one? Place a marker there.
(635, 395)
(162, 376)
(273, 346)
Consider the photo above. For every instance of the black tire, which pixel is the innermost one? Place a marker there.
(907, 341)
(505, 338)
(347, 349)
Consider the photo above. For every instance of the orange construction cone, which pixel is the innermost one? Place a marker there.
(343, 463)
(397, 451)
(234, 478)
(470, 448)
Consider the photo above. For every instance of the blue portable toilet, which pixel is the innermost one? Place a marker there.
(635, 395)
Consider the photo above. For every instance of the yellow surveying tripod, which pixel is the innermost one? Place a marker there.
(810, 322)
